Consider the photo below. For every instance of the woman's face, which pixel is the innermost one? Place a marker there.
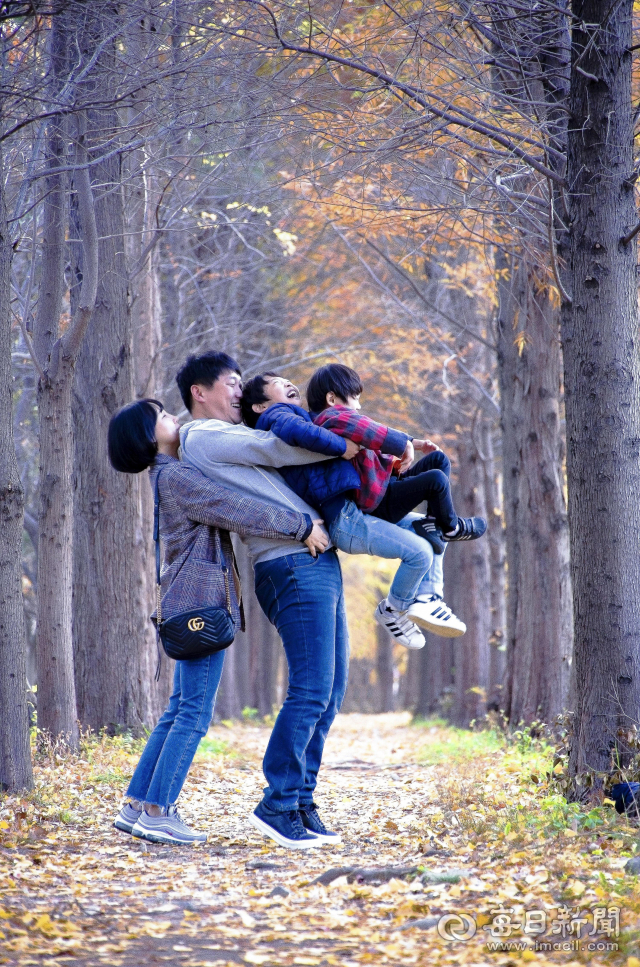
(167, 429)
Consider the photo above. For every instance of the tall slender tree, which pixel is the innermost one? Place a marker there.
(602, 387)
(15, 758)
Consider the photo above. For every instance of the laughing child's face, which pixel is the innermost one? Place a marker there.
(281, 390)
(277, 389)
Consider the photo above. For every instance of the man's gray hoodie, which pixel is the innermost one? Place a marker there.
(245, 460)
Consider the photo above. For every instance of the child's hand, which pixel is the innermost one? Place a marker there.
(407, 457)
(353, 449)
(426, 446)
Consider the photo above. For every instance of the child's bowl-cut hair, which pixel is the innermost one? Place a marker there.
(205, 370)
(253, 392)
(333, 378)
(132, 436)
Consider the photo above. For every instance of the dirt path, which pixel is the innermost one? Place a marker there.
(74, 890)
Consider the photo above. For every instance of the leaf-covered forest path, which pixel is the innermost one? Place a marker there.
(476, 833)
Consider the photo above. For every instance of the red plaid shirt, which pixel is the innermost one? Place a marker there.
(371, 463)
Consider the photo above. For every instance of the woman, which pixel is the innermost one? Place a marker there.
(193, 510)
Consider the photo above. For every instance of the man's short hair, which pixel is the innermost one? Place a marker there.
(205, 370)
(333, 378)
(253, 392)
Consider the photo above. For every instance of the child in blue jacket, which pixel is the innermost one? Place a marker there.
(271, 402)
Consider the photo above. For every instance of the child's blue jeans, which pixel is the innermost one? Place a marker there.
(421, 569)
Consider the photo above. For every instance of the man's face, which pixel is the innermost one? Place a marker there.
(277, 389)
(221, 401)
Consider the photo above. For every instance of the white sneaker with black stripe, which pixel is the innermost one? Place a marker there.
(402, 629)
(430, 612)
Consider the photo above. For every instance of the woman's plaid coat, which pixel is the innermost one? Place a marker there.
(196, 515)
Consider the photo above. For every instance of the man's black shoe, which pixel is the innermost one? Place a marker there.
(312, 822)
(285, 828)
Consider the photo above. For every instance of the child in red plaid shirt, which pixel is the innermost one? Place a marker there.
(333, 395)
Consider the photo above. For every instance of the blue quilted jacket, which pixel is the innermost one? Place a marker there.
(314, 482)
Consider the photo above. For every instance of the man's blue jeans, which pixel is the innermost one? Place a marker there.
(358, 533)
(169, 752)
(302, 596)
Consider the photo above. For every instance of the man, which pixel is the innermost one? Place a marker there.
(299, 590)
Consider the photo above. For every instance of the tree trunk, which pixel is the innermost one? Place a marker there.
(114, 643)
(435, 672)
(600, 340)
(409, 683)
(15, 758)
(539, 607)
(472, 560)
(384, 669)
(497, 562)
(57, 713)
(228, 702)
(141, 197)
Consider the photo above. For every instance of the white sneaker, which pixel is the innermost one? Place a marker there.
(430, 612)
(403, 630)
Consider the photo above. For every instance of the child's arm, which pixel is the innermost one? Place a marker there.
(295, 431)
(363, 430)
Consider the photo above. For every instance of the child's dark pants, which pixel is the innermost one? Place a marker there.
(427, 480)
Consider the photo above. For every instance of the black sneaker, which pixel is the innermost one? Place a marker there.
(285, 828)
(469, 529)
(427, 528)
(312, 822)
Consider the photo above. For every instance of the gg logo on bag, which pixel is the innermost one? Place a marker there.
(195, 624)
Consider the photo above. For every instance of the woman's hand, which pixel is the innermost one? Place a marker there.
(353, 449)
(317, 540)
(426, 446)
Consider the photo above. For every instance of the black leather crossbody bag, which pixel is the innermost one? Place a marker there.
(201, 631)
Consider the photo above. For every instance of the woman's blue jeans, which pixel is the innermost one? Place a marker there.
(302, 596)
(358, 533)
(169, 752)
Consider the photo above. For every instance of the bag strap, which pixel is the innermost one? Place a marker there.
(156, 537)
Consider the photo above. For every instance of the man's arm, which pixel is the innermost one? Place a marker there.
(363, 430)
(208, 502)
(218, 442)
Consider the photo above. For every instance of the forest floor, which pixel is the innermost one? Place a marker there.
(456, 851)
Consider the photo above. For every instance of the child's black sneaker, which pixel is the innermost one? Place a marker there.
(427, 528)
(312, 822)
(285, 828)
(468, 529)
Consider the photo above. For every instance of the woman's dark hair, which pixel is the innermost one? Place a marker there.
(132, 436)
(334, 378)
(253, 392)
(205, 370)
